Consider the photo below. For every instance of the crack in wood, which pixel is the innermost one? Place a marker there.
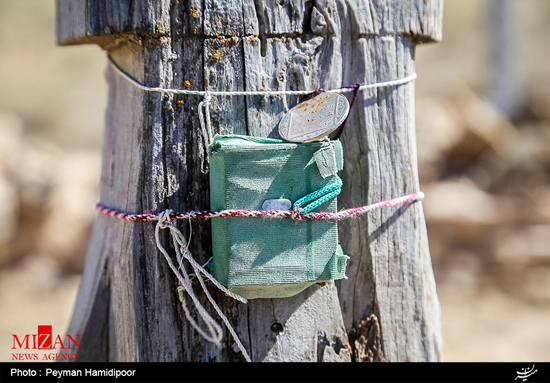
(261, 27)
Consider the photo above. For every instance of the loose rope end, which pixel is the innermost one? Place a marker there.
(213, 331)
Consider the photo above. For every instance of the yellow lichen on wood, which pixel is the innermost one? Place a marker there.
(194, 13)
(160, 31)
(216, 56)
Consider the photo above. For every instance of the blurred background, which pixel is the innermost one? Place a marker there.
(483, 129)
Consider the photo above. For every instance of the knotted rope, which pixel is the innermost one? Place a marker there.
(165, 220)
(213, 332)
(338, 216)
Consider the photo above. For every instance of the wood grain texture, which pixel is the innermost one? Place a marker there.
(127, 305)
(390, 275)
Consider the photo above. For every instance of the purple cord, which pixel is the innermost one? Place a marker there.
(355, 93)
(316, 92)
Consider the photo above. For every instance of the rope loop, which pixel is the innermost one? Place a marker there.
(212, 331)
(319, 197)
(206, 128)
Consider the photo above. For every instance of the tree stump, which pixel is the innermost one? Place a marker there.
(127, 307)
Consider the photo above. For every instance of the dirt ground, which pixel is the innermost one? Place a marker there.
(492, 326)
(34, 293)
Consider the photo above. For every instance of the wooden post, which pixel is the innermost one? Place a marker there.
(127, 307)
(506, 88)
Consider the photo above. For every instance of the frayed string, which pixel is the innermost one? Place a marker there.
(213, 331)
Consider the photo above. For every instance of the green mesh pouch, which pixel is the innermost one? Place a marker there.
(269, 257)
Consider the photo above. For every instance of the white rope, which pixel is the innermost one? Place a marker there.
(213, 332)
(253, 93)
(206, 128)
(192, 275)
(204, 116)
(205, 122)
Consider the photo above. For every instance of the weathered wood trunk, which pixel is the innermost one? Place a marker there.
(127, 307)
(506, 89)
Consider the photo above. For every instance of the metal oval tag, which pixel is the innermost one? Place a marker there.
(315, 118)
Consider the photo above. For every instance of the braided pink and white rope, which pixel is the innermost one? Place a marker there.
(293, 214)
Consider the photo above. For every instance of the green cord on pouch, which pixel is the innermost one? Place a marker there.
(319, 197)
